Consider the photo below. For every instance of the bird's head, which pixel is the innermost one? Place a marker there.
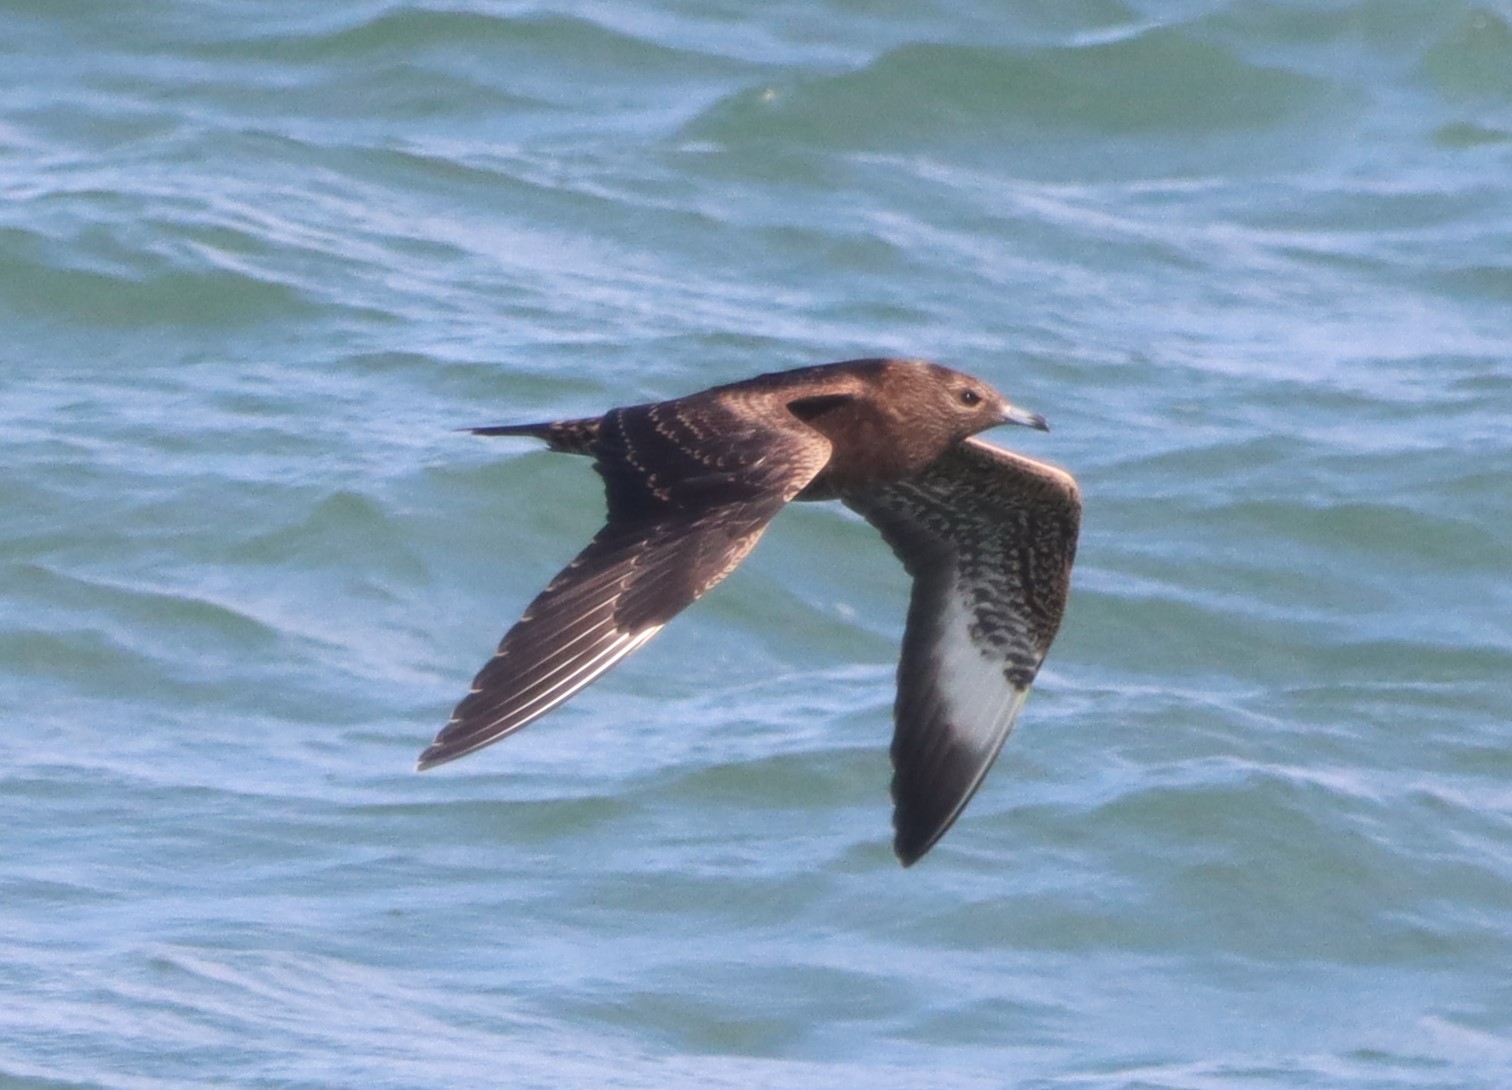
(968, 405)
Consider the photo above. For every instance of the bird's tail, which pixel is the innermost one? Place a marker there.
(566, 436)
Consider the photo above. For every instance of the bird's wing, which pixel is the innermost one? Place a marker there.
(989, 537)
(691, 485)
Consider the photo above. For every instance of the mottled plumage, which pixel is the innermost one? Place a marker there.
(988, 536)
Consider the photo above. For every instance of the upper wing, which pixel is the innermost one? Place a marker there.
(989, 537)
(691, 485)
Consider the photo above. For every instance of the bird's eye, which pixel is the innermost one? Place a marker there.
(970, 397)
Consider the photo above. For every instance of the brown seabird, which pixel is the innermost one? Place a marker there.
(987, 535)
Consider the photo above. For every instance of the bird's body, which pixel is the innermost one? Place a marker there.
(988, 536)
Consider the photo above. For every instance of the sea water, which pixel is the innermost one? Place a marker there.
(258, 260)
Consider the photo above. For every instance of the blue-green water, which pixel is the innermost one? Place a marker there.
(1254, 262)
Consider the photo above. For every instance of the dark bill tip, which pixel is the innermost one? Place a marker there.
(1015, 415)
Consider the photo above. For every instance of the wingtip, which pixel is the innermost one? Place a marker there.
(432, 756)
(910, 848)
(914, 833)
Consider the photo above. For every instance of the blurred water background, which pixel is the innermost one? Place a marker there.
(1254, 262)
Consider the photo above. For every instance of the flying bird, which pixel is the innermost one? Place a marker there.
(987, 535)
